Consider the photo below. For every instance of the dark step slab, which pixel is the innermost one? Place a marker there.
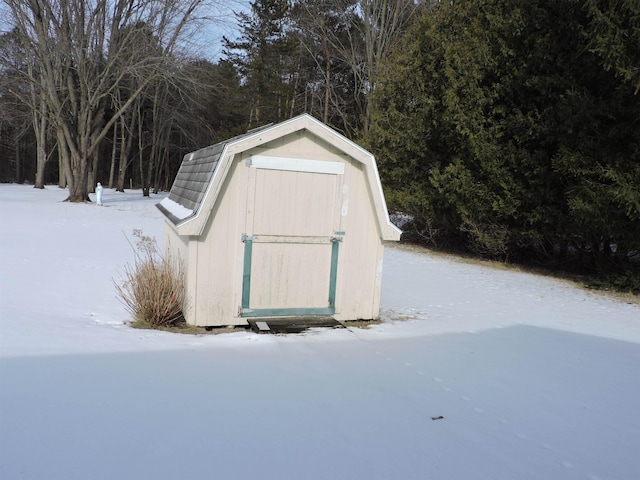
(292, 324)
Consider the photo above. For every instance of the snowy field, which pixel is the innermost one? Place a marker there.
(534, 378)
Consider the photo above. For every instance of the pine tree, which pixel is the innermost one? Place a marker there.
(506, 128)
(259, 55)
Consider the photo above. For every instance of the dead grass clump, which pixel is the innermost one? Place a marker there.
(153, 288)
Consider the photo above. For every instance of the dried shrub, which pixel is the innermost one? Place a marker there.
(153, 288)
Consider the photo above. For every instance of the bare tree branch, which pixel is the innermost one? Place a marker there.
(86, 50)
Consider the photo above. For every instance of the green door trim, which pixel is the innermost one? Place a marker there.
(247, 311)
(246, 273)
(333, 275)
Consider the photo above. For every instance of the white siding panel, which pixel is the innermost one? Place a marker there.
(219, 255)
(294, 203)
(357, 295)
(290, 275)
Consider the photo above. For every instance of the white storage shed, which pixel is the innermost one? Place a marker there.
(286, 220)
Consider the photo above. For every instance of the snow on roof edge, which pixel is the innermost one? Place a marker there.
(173, 210)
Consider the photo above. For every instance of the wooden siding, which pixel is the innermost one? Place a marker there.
(292, 217)
(358, 293)
(291, 222)
(293, 203)
(220, 248)
(290, 275)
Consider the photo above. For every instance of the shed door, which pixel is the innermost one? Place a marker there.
(292, 238)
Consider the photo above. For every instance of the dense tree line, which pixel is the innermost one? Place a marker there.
(316, 56)
(82, 67)
(513, 129)
(508, 128)
(108, 90)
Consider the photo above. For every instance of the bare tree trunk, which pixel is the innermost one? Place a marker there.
(384, 23)
(159, 105)
(126, 145)
(114, 149)
(294, 89)
(41, 151)
(64, 162)
(154, 161)
(91, 181)
(62, 175)
(80, 175)
(143, 180)
(40, 126)
(327, 78)
(18, 156)
(160, 167)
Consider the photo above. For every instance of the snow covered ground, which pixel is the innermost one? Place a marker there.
(534, 378)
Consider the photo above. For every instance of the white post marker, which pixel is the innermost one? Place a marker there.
(99, 193)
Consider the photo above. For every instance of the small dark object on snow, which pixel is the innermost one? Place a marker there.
(439, 417)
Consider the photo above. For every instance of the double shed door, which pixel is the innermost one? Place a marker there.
(293, 237)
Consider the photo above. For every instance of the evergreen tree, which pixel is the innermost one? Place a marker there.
(325, 30)
(259, 56)
(500, 125)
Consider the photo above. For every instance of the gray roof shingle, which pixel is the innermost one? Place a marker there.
(195, 173)
(194, 176)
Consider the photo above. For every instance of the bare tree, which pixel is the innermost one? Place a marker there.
(85, 50)
(384, 22)
(357, 33)
(40, 127)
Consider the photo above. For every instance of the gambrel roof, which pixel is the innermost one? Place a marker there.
(202, 173)
(194, 176)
